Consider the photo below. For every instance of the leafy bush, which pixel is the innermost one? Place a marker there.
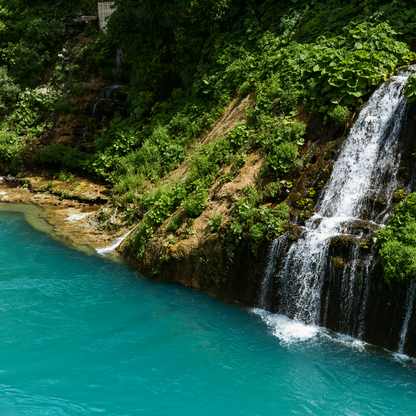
(58, 154)
(196, 203)
(254, 221)
(202, 170)
(132, 181)
(63, 105)
(138, 240)
(174, 224)
(277, 98)
(280, 139)
(8, 90)
(238, 136)
(52, 155)
(75, 158)
(215, 223)
(10, 144)
(272, 189)
(339, 115)
(281, 157)
(410, 89)
(31, 33)
(26, 118)
(398, 242)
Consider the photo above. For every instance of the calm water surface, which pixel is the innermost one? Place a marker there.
(81, 335)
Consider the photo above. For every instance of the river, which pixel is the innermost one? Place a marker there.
(84, 335)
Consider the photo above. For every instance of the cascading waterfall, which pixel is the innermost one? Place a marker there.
(365, 170)
(118, 59)
(366, 281)
(110, 92)
(409, 311)
(94, 109)
(276, 249)
(116, 243)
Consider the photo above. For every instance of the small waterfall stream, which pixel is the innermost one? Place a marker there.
(366, 169)
(409, 311)
(116, 243)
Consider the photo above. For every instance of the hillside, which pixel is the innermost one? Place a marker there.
(214, 125)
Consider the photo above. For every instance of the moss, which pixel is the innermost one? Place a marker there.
(399, 195)
(338, 263)
(340, 241)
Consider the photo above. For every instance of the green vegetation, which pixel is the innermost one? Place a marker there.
(8, 90)
(215, 222)
(183, 63)
(398, 242)
(410, 89)
(254, 221)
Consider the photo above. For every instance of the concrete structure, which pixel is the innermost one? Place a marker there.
(104, 10)
(89, 20)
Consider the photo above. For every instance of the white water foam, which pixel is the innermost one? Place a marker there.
(411, 292)
(345, 340)
(292, 332)
(403, 358)
(116, 243)
(287, 330)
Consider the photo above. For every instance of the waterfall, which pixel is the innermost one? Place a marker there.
(116, 243)
(94, 109)
(109, 93)
(117, 70)
(363, 307)
(366, 169)
(118, 58)
(410, 298)
(275, 250)
(349, 287)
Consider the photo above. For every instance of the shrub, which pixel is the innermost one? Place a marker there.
(74, 158)
(202, 170)
(174, 224)
(410, 89)
(339, 115)
(398, 242)
(58, 154)
(196, 203)
(281, 157)
(52, 155)
(8, 90)
(138, 241)
(275, 98)
(10, 144)
(130, 182)
(63, 105)
(215, 223)
(272, 189)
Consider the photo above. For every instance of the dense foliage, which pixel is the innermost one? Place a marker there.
(184, 61)
(187, 59)
(398, 242)
(30, 32)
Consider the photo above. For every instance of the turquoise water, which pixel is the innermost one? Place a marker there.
(81, 335)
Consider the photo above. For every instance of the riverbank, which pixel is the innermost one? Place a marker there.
(72, 218)
(73, 222)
